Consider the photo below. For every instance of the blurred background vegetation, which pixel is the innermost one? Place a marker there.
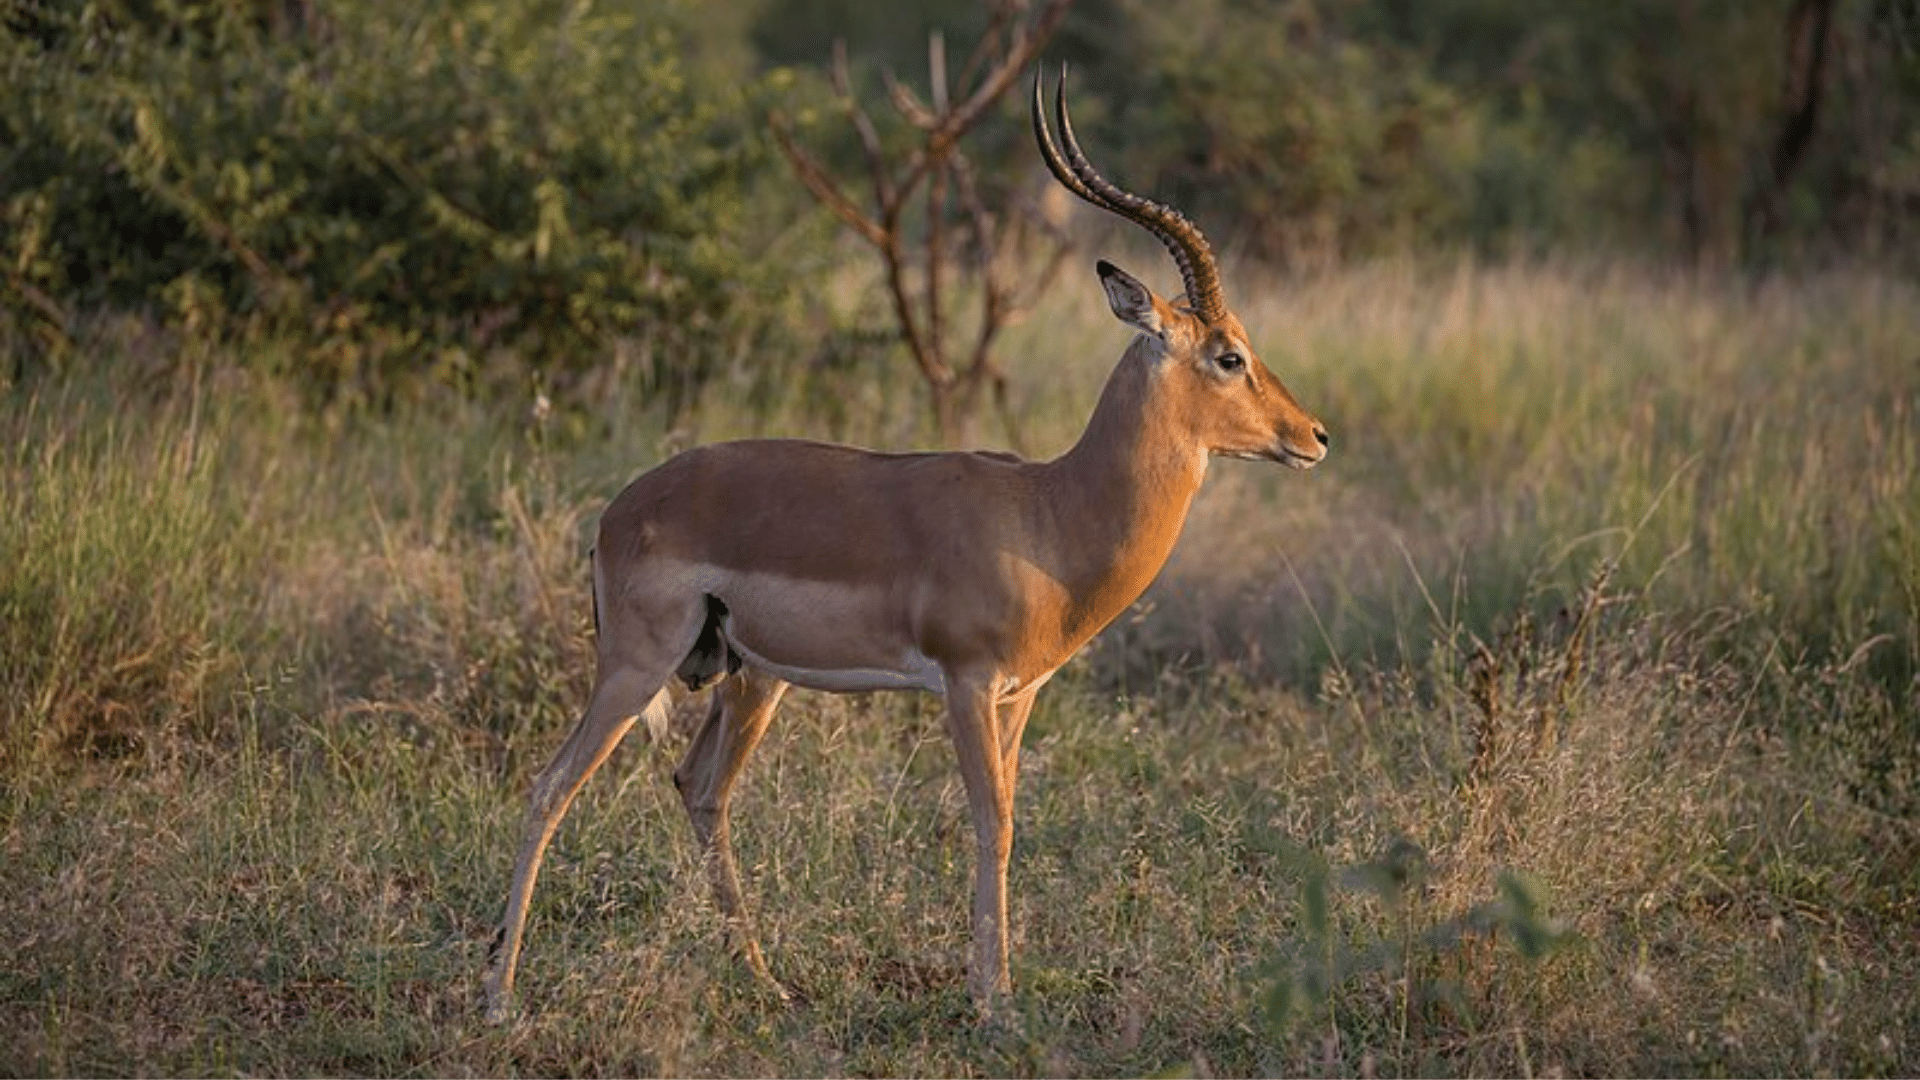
(328, 326)
(455, 193)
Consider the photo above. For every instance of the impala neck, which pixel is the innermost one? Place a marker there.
(1125, 487)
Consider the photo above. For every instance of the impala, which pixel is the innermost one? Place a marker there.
(761, 564)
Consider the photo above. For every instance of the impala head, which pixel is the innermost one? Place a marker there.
(1234, 405)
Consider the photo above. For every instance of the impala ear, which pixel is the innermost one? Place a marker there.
(1133, 302)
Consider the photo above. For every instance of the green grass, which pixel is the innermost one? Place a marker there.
(1612, 581)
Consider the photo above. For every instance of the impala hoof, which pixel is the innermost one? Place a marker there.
(780, 993)
(992, 1006)
(501, 1009)
(763, 976)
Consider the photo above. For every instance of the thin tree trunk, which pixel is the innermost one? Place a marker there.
(1809, 26)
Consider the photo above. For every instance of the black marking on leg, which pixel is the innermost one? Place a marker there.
(709, 660)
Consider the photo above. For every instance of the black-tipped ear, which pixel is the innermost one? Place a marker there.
(1131, 301)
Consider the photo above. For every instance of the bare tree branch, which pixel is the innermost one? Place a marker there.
(823, 187)
(884, 187)
(908, 105)
(918, 284)
(989, 44)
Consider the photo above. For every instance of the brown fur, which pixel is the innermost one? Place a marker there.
(975, 575)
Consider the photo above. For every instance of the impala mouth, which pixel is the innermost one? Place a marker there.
(1291, 458)
(1285, 455)
(1294, 459)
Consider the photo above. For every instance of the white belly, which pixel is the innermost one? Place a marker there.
(914, 672)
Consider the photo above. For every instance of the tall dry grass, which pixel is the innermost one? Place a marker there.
(1596, 635)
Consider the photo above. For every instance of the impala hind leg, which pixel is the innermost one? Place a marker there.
(742, 708)
(626, 685)
(1013, 725)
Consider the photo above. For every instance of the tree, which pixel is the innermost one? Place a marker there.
(938, 176)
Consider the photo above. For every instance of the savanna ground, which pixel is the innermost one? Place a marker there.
(1564, 721)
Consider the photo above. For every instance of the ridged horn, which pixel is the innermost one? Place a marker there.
(1182, 238)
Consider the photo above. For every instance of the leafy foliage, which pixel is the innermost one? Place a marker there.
(406, 189)
(1313, 144)
(1326, 129)
(463, 192)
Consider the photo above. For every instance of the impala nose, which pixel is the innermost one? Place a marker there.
(1320, 433)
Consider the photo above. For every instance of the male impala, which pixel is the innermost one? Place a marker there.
(768, 563)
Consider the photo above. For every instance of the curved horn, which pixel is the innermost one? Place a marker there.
(1050, 153)
(1182, 237)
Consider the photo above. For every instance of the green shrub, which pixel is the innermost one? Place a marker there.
(420, 193)
(1313, 145)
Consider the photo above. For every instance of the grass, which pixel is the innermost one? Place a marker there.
(1564, 722)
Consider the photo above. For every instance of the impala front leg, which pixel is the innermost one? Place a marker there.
(973, 723)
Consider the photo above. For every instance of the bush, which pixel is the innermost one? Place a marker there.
(1313, 144)
(411, 191)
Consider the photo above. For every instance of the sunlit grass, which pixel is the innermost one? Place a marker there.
(1612, 579)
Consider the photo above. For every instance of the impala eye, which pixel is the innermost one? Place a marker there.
(1232, 361)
